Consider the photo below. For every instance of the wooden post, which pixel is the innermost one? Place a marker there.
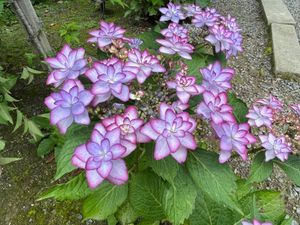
(33, 26)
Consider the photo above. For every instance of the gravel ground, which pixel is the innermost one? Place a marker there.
(255, 79)
(294, 8)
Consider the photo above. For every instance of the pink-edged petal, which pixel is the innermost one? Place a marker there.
(77, 162)
(118, 175)
(113, 136)
(118, 151)
(123, 95)
(180, 155)
(93, 178)
(85, 97)
(129, 146)
(131, 112)
(173, 143)
(161, 148)
(141, 138)
(105, 168)
(82, 153)
(224, 156)
(188, 141)
(92, 165)
(82, 118)
(158, 125)
(58, 114)
(149, 131)
(64, 124)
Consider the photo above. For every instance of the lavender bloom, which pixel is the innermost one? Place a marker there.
(69, 105)
(179, 107)
(171, 12)
(216, 79)
(185, 87)
(191, 10)
(215, 108)
(175, 45)
(68, 64)
(106, 34)
(172, 134)
(109, 78)
(129, 124)
(275, 147)
(271, 102)
(101, 157)
(233, 136)
(236, 45)
(260, 116)
(220, 37)
(230, 23)
(135, 43)
(255, 222)
(145, 63)
(175, 29)
(296, 108)
(205, 18)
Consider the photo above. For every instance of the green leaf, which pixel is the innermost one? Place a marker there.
(166, 168)
(215, 179)
(74, 189)
(146, 195)
(179, 199)
(208, 212)
(2, 144)
(75, 136)
(19, 120)
(4, 113)
(265, 206)
(148, 39)
(288, 221)
(45, 147)
(126, 214)
(260, 169)
(112, 220)
(194, 65)
(34, 130)
(203, 3)
(7, 160)
(291, 167)
(104, 201)
(240, 108)
(33, 71)
(25, 74)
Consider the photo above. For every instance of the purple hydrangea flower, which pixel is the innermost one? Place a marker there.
(69, 105)
(230, 23)
(68, 64)
(233, 136)
(135, 43)
(179, 107)
(255, 222)
(175, 29)
(215, 108)
(172, 133)
(172, 12)
(296, 108)
(275, 147)
(260, 116)
(145, 63)
(271, 102)
(129, 124)
(205, 18)
(101, 157)
(191, 10)
(220, 37)
(216, 79)
(109, 78)
(236, 46)
(175, 45)
(106, 34)
(185, 87)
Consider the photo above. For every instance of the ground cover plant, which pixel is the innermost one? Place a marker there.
(150, 124)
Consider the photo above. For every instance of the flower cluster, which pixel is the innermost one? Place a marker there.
(215, 108)
(262, 115)
(224, 32)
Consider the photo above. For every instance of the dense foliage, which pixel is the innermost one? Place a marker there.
(144, 121)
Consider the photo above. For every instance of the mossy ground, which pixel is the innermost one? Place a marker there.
(20, 182)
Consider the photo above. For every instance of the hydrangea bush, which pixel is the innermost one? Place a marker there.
(151, 127)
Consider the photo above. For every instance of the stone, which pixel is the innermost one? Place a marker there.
(277, 12)
(286, 50)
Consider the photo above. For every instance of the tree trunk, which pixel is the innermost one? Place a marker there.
(33, 26)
